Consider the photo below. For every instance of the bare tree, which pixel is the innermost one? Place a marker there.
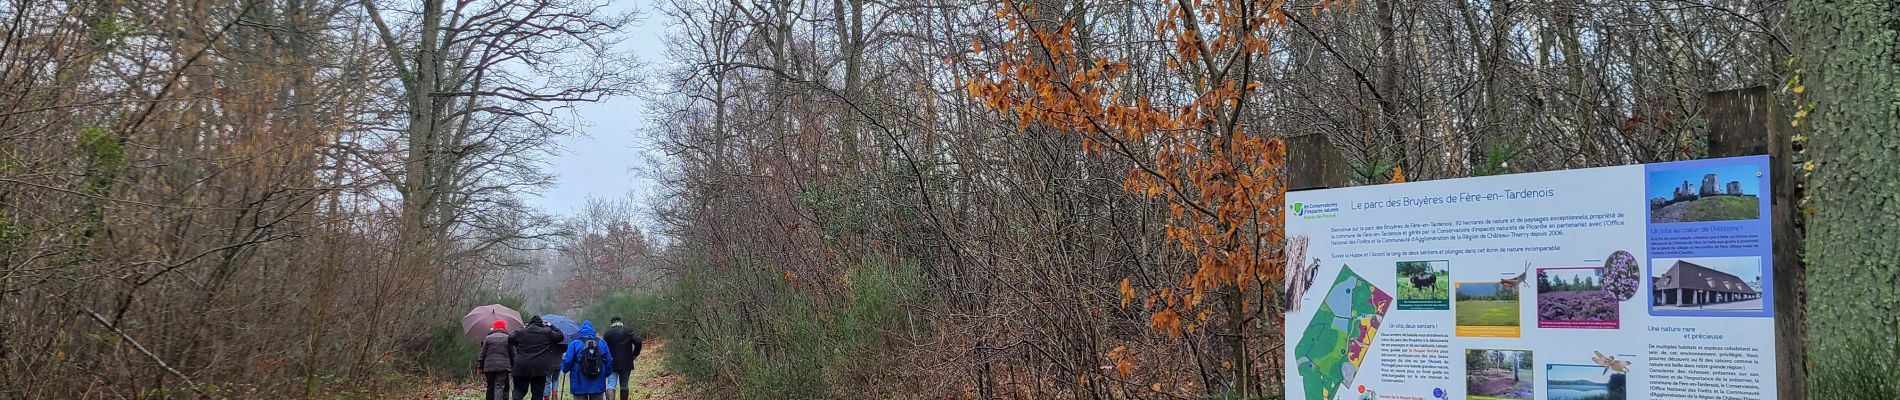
(481, 84)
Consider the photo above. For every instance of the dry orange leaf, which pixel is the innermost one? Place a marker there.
(1224, 186)
(1120, 356)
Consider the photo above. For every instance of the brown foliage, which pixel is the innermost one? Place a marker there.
(1077, 177)
(204, 199)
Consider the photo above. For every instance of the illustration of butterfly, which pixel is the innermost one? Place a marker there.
(1610, 363)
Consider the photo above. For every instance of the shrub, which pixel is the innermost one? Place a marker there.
(879, 289)
(642, 312)
(798, 345)
(446, 353)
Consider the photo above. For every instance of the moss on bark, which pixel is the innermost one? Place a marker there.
(1851, 69)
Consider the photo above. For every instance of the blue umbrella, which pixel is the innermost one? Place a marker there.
(562, 322)
(568, 328)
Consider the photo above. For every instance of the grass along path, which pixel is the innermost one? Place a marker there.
(650, 379)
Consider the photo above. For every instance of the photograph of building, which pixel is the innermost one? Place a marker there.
(1688, 284)
(1723, 193)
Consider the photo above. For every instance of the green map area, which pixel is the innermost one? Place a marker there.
(1336, 342)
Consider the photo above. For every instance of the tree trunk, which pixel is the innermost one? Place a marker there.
(1580, 85)
(1237, 342)
(1850, 64)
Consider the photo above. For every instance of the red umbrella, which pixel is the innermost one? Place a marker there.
(481, 320)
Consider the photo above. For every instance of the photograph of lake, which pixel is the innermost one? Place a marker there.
(1581, 382)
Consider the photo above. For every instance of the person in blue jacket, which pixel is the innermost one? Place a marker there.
(587, 363)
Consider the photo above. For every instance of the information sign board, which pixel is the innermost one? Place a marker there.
(1633, 282)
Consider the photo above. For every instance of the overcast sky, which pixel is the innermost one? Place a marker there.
(601, 163)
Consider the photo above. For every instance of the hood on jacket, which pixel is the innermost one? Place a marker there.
(586, 331)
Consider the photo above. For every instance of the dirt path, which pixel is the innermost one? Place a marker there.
(650, 379)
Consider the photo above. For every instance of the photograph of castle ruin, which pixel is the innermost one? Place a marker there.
(1705, 194)
(1707, 284)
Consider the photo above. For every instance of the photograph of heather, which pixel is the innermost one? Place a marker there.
(1499, 374)
(1575, 298)
(1621, 275)
(1485, 304)
(1723, 193)
(1583, 382)
(1424, 285)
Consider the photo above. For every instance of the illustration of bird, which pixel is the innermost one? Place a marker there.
(1299, 273)
(1610, 363)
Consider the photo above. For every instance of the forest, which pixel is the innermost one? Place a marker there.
(853, 198)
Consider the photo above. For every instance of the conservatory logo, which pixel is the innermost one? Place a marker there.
(1316, 210)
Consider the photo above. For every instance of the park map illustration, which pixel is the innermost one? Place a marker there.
(1340, 335)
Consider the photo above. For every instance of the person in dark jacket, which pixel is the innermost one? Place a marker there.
(538, 353)
(554, 379)
(496, 360)
(625, 344)
(585, 382)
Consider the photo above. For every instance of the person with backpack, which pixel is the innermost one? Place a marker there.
(624, 343)
(587, 364)
(495, 360)
(538, 351)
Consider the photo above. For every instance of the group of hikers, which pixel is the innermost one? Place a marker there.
(532, 360)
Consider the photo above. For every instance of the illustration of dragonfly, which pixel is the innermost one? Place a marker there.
(1610, 363)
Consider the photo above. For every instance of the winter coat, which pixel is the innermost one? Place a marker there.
(577, 382)
(495, 355)
(537, 351)
(625, 345)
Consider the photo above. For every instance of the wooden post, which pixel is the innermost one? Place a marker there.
(1749, 122)
(1313, 163)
